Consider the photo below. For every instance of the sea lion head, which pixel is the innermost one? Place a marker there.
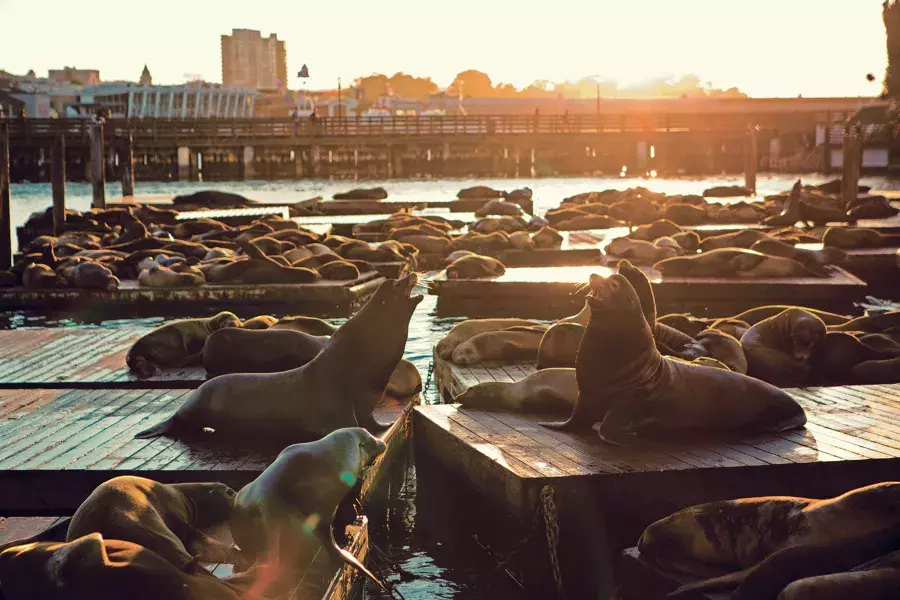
(222, 320)
(746, 261)
(611, 294)
(807, 329)
(398, 291)
(357, 443)
(210, 503)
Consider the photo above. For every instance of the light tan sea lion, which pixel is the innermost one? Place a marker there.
(701, 541)
(547, 390)
(736, 239)
(559, 346)
(474, 266)
(507, 346)
(259, 322)
(639, 251)
(472, 327)
(338, 270)
(286, 513)
(521, 240)
(547, 237)
(175, 344)
(851, 238)
(163, 277)
(167, 519)
(778, 349)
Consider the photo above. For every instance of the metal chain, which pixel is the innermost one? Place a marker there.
(551, 524)
(520, 547)
(428, 378)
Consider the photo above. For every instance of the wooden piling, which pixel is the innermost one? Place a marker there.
(5, 220)
(58, 183)
(127, 160)
(852, 150)
(826, 146)
(98, 177)
(751, 158)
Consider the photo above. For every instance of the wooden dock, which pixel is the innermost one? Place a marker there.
(322, 298)
(607, 495)
(343, 224)
(557, 292)
(235, 216)
(59, 444)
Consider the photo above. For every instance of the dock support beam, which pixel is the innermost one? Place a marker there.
(5, 220)
(826, 147)
(98, 166)
(314, 158)
(58, 183)
(184, 163)
(249, 155)
(126, 158)
(751, 159)
(852, 163)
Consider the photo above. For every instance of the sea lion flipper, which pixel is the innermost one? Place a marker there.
(579, 421)
(725, 582)
(158, 430)
(371, 425)
(326, 535)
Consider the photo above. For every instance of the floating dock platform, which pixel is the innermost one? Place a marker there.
(607, 495)
(321, 298)
(560, 291)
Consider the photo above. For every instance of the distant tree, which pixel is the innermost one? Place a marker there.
(371, 87)
(540, 88)
(407, 86)
(472, 84)
(505, 90)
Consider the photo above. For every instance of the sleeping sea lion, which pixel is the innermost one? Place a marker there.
(850, 238)
(259, 322)
(547, 237)
(286, 513)
(175, 344)
(548, 390)
(655, 230)
(877, 371)
(507, 346)
(701, 541)
(469, 328)
(167, 519)
(310, 325)
(559, 345)
(778, 349)
(158, 276)
(735, 262)
(724, 348)
(628, 386)
(755, 315)
(836, 355)
(736, 239)
(311, 401)
(474, 266)
(810, 258)
(688, 240)
(871, 323)
(239, 350)
(640, 251)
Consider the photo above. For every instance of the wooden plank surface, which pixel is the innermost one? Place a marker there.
(227, 215)
(60, 444)
(324, 297)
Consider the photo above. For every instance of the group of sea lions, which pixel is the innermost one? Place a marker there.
(144, 539)
(99, 248)
(785, 547)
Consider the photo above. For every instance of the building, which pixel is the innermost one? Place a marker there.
(146, 78)
(254, 62)
(75, 76)
(196, 100)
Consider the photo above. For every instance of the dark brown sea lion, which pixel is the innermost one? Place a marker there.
(338, 270)
(779, 348)
(211, 198)
(872, 323)
(877, 371)
(90, 275)
(686, 324)
(175, 344)
(548, 391)
(657, 229)
(310, 325)
(234, 350)
(476, 242)
(869, 584)
(93, 568)
(162, 277)
(724, 348)
(167, 519)
(547, 237)
(809, 258)
(685, 214)
(837, 353)
(791, 212)
(428, 244)
(521, 240)
(313, 400)
(871, 207)
(701, 541)
(286, 513)
(38, 276)
(688, 240)
(506, 346)
(851, 238)
(559, 346)
(259, 322)
(733, 327)
(475, 266)
(736, 239)
(734, 262)
(629, 387)
(755, 315)
(639, 251)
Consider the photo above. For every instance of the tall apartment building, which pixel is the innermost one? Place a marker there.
(251, 61)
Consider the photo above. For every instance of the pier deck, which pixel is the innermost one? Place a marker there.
(59, 444)
(322, 298)
(560, 291)
(852, 439)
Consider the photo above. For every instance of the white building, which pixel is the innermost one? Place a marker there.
(190, 101)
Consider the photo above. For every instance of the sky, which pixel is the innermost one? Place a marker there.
(766, 48)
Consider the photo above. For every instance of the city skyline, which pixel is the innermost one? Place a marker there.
(771, 49)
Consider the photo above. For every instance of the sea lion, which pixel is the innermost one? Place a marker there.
(793, 563)
(311, 401)
(877, 371)
(733, 327)
(701, 540)
(850, 238)
(94, 568)
(667, 242)
(755, 315)
(507, 346)
(287, 512)
(688, 240)
(811, 259)
(589, 221)
(521, 240)
(547, 237)
(870, 323)
(498, 207)
(735, 262)
(90, 275)
(724, 348)
(559, 346)
(736, 239)
(871, 207)
(167, 519)
(158, 276)
(686, 324)
(405, 380)
(778, 349)
(338, 270)
(428, 244)
(239, 350)
(211, 198)
(310, 325)
(837, 353)
(548, 390)
(469, 328)
(628, 386)
(175, 344)
(259, 322)
(640, 251)
(376, 193)
(657, 229)
(685, 214)
(476, 242)
(475, 266)
(871, 584)
(791, 212)
(38, 276)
